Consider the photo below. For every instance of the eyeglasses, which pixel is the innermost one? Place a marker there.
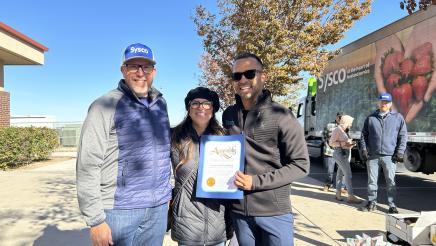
(197, 104)
(135, 68)
(249, 74)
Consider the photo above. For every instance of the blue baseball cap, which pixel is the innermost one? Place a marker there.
(138, 51)
(385, 97)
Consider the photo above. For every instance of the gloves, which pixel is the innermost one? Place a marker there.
(364, 155)
(397, 157)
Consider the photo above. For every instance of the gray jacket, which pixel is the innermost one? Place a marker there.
(197, 221)
(123, 156)
(384, 136)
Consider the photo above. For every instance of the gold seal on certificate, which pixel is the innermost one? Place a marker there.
(210, 182)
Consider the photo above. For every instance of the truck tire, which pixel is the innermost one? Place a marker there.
(412, 159)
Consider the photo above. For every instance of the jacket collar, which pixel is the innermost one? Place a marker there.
(263, 100)
(377, 113)
(153, 93)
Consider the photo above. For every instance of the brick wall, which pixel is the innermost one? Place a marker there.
(5, 114)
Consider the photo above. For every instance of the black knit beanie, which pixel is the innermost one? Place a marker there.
(205, 93)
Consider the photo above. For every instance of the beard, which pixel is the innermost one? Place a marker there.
(247, 96)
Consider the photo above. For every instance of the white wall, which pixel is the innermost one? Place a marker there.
(33, 120)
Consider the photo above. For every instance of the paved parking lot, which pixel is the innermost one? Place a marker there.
(39, 207)
(414, 190)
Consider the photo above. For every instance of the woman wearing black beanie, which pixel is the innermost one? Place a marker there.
(196, 221)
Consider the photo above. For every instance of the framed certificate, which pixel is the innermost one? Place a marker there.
(220, 158)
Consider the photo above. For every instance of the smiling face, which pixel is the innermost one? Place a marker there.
(248, 89)
(139, 80)
(384, 106)
(199, 114)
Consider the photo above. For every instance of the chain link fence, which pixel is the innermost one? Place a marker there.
(68, 132)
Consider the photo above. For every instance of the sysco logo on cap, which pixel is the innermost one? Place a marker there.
(139, 50)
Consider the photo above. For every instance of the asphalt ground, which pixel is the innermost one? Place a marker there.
(38, 206)
(416, 192)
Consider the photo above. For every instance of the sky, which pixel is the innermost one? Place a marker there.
(86, 40)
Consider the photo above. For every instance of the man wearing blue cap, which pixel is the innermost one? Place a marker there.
(123, 161)
(383, 143)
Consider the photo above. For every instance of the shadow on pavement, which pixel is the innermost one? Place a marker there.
(65, 208)
(53, 236)
(413, 189)
(405, 194)
(55, 206)
(310, 241)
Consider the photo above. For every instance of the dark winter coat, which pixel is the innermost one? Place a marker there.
(384, 135)
(197, 221)
(275, 155)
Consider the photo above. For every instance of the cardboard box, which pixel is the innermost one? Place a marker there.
(412, 228)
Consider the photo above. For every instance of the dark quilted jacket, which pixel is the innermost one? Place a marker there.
(197, 221)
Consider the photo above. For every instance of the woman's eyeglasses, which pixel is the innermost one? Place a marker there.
(204, 104)
(249, 74)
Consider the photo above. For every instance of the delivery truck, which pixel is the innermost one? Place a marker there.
(400, 59)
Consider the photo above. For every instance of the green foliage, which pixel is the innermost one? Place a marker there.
(22, 145)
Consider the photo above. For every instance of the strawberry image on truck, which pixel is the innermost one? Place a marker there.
(399, 59)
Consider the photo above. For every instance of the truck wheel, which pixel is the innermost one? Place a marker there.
(412, 160)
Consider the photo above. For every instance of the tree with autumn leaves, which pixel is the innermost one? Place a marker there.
(290, 36)
(412, 5)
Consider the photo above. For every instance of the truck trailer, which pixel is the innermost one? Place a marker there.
(398, 58)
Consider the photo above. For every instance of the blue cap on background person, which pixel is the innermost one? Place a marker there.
(138, 51)
(385, 97)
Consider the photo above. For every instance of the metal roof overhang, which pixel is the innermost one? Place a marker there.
(18, 49)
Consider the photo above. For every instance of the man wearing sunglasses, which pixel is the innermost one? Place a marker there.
(276, 155)
(123, 165)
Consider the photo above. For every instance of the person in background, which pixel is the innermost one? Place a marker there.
(342, 144)
(329, 162)
(197, 221)
(275, 156)
(383, 143)
(123, 161)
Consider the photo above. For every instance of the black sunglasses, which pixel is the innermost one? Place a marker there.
(249, 74)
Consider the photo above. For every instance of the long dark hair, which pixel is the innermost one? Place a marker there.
(184, 134)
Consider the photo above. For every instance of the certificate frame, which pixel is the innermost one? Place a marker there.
(229, 149)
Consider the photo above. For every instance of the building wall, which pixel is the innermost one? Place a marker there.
(33, 120)
(4, 109)
(2, 75)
